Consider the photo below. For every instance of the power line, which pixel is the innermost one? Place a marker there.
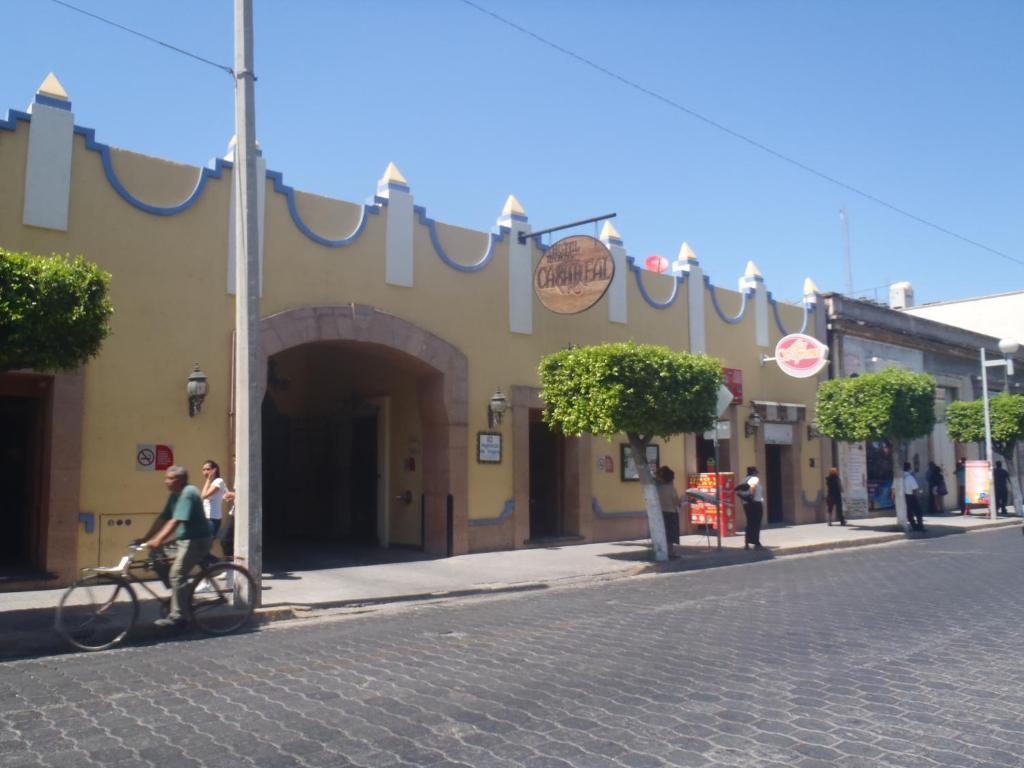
(735, 134)
(123, 28)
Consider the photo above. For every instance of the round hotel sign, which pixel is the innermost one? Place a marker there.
(800, 355)
(573, 274)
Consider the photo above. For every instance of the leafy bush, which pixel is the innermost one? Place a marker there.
(54, 311)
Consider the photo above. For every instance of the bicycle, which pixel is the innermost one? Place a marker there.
(99, 610)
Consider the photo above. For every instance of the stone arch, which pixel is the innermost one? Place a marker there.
(443, 399)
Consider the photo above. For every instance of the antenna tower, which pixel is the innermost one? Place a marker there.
(844, 217)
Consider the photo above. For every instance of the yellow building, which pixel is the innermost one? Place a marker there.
(384, 335)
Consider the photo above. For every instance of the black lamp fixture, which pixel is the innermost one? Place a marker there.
(197, 388)
(753, 423)
(812, 431)
(496, 408)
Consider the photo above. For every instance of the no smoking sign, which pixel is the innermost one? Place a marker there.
(153, 457)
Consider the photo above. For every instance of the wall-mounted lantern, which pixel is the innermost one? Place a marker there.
(496, 408)
(753, 423)
(812, 431)
(197, 388)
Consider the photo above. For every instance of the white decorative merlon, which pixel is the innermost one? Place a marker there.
(235, 213)
(617, 310)
(753, 280)
(398, 249)
(687, 263)
(520, 267)
(810, 292)
(48, 167)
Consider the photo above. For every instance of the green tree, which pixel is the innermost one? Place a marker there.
(893, 405)
(54, 311)
(642, 390)
(966, 424)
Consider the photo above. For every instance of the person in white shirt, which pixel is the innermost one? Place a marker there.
(753, 507)
(213, 493)
(910, 489)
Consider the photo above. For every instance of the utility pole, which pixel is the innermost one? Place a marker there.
(248, 443)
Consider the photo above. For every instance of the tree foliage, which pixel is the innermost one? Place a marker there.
(893, 404)
(640, 389)
(966, 421)
(54, 311)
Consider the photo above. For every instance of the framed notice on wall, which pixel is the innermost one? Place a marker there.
(488, 447)
(627, 468)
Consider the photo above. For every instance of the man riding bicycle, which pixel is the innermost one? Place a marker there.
(184, 521)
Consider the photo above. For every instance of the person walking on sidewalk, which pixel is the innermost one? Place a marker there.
(910, 491)
(961, 485)
(933, 477)
(834, 496)
(753, 507)
(182, 517)
(669, 500)
(1002, 487)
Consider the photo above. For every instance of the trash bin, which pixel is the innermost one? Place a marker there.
(671, 529)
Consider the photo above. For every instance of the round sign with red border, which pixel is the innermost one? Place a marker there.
(800, 355)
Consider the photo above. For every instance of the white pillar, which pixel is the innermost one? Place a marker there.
(398, 235)
(520, 267)
(687, 263)
(753, 280)
(48, 166)
(617, 309)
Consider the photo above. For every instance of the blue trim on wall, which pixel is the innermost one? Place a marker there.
(108, 168)
(676, 282)
(49, 101)
(506, 512)
(714, 302)
(89, 519)
(778, 318)
(13, 116)
(493, 239)
(595, 505)
(289, 193)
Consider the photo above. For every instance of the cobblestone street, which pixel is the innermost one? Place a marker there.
(897, 655)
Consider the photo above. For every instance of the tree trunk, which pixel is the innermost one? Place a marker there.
(1014, 481)
(651, 502)
(897, 491)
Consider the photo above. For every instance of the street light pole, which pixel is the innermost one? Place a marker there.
(1008, 347)
(988, 438)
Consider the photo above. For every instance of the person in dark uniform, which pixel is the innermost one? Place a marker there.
(834, 496)
(1002, 487)
(753, 507)
(910, 491)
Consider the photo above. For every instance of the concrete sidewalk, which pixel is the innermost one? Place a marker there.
(26, 618)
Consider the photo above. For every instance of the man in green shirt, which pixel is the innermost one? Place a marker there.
(183, 520)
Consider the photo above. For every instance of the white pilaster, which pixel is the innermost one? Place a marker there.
(48, 166)
(398, 242)
(753, 280)
(520, 267)
(687, 263)
(234, 211)
(617, 310)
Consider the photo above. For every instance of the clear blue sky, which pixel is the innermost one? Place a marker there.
(918, 102)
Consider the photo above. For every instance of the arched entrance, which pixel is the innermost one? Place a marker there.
(364, 432)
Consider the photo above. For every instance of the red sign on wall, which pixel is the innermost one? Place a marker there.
(734, 383)
(152, 457)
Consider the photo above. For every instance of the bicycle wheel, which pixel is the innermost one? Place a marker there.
(97, 612)
(221, 598)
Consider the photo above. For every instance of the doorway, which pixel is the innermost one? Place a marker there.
(547, 457)
(21, 474)
(773, 483)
